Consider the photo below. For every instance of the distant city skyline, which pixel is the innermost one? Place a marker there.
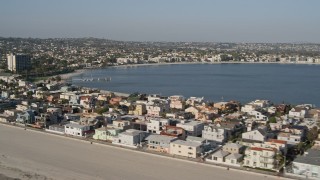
(250, 21)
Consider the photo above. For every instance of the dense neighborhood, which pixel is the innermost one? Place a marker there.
(258, 135)
(60, 55)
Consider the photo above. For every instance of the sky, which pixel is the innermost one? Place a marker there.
(270, 21)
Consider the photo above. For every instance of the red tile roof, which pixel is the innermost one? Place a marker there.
(262, 149)
(277, 141)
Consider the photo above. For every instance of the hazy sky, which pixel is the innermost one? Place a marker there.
(164, 20)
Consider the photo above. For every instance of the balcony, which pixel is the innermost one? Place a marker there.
(267, 156)
(268, 161)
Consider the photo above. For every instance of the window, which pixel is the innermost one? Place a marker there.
(215, 158)
(254, 153)
(265, 165)
(190, 153)
(179, 146)
(254, 163)
(232, 161)
(190, 148)
(179, 151)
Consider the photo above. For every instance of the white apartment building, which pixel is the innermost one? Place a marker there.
(257, 157)
(215, 133)
(76, 129)
(298, 112)
(155, 125)
(291, 138)
(130, 138)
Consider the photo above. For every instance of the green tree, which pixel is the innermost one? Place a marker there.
(29, 94)
(272, 119)
(312, 134)
(102, 110)
(58, 78)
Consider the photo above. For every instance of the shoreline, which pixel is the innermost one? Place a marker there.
(68, 76)
(80, 71)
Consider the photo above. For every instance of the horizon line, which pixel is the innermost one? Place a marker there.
(149, 41)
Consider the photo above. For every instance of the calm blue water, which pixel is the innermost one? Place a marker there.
(288, 83)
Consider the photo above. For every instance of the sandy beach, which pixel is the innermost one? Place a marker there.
(70, 75)
(35, 155)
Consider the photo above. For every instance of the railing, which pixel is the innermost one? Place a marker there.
(269, 161)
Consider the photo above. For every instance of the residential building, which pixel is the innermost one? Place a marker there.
(121, 124)
(174, 131)
(157, 108)
(194, 110)
(153, 97)
(257, 157)
(206, 145)
(155, 125)
(130, 138)
(186, 148)
(258, 135)
(280, 145)
(221, 132)
(193, 128)
(74, 129)
(159, 143)
(234, 159)
(56, 128)
(138, 109)
(72, 117)
(298, 112)
(261, 103)
(307, 166)
(218, 156)
(106, 133)
(27, 117)
(215, 133)
(248, 108)
(177, 102)
(193, 101)
(233, 148)
(291, 138)
(259, 116)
